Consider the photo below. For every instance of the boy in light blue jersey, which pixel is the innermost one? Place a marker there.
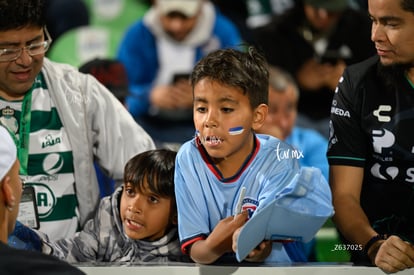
(230, 90)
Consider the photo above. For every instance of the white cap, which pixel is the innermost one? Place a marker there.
(187, 7)
(8, 152)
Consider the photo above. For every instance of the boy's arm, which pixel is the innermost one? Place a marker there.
(219, 241)
(259, 254)
(88, 244)
(76, 249)
(80, 248)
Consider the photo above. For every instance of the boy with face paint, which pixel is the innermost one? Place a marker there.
(230, 90)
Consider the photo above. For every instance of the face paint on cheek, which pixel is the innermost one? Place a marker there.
(197, 137)
(236, 130)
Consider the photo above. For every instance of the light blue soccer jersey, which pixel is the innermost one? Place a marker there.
(204, 197)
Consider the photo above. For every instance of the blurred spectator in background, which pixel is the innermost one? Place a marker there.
(112, 75)
(314, 42)
(63, 15)
(281, 119)
(260, 12)
(159, 52)
(250, 14)
(237, 12)
(361, 4)
(281, 123)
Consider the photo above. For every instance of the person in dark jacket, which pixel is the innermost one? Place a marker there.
(314, 42)
(16, 261)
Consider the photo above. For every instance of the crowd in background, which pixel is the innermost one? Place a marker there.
(313, 46)
(308, 42)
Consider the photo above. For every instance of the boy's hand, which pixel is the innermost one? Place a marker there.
(259, 254)
(220, 239)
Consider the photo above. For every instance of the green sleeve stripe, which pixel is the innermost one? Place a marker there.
(342, 157)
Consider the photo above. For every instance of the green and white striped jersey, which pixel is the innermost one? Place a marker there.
(49, 157)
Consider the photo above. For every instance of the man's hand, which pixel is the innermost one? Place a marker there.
(392, 255)
(314, 75)
(177, 96)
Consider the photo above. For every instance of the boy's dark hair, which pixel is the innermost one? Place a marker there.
(246, 71)
(154, 167)
(407, 5)
(15, 14)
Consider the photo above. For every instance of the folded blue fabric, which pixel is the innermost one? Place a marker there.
(25, 238)
(294, 214)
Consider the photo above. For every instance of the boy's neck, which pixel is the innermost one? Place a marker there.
(229, 167)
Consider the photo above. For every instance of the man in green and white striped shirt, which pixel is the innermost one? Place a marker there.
(61, 121)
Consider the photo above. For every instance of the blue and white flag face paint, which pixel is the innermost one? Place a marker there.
(236, 130)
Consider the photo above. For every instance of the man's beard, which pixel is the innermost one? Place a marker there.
(393, 74)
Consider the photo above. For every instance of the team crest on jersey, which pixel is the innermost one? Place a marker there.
(8, 120)
(250, 205)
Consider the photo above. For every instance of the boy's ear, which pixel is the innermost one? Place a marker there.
(174, 219)
(174, 214)
(259, 116)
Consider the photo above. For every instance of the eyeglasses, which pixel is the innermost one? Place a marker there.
(7, 55)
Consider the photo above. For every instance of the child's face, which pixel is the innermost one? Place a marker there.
(144, 215)
(224, 120)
